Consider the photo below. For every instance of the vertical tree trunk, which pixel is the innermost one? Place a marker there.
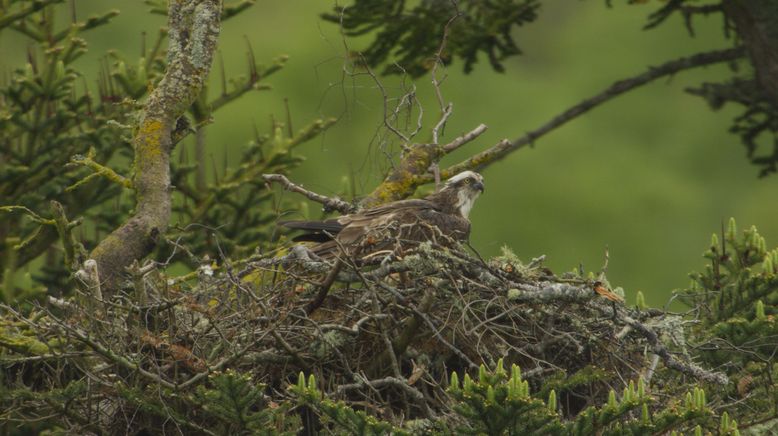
(193, 32)
(756, 22)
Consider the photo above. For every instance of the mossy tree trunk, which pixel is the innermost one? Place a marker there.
(193, 31)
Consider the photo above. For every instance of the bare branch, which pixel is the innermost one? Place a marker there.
(389, 381)
(324, 288)
(33, 216)
(112, 356)
(354, 329)
(330, 204)
(689, 368)
(505, 147)
(74, 251)
(464, 139)
(443, 118)
(445, 109)
(99, 171)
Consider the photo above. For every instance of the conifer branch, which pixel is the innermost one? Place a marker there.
(74, 251)
(10, 19)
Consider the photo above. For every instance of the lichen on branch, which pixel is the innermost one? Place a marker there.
(194, 31)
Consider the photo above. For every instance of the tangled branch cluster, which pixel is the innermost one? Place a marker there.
(383, 337)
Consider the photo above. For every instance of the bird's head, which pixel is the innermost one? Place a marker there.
(468, 185)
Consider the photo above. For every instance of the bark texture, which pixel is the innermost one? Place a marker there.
(756, 22)
(193, 32)
(403, 180)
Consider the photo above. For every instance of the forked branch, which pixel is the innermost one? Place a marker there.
(194, 30)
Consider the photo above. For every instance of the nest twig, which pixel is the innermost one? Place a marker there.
(386, 335)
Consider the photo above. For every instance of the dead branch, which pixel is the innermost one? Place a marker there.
(324, 288)
(503, 148)
(669, 360)
(464, 139)
(330, 204)
(445, 109)
(393, 382)
(369, 332)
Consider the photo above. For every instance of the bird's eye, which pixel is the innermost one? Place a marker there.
(468, 181)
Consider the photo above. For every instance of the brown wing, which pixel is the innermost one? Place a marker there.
(386, 228)
(449, 226)
(399, 226)
(414, 204)
(377, 219)
(317, 231)
(322, 231)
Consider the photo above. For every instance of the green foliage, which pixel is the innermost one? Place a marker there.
(736, 296)
(500, 403)
(238, 204)
(338, 414)
(740, 272)
(46, 117)
(240, 408)
(565, 383)
(413, 34)
(55, 399)
(61, 141)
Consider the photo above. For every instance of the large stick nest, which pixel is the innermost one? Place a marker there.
(383, 337)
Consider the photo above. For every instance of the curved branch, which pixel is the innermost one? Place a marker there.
(194, 31)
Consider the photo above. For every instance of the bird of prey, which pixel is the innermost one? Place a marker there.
(441, 217)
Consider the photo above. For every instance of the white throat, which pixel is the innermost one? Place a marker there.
(465, 202)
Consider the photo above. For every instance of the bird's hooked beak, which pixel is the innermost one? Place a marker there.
(479, 186)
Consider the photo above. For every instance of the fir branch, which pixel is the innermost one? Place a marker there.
(74, 251)
(11, 18)
(32, 215)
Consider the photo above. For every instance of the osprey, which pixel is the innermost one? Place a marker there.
(441, 217)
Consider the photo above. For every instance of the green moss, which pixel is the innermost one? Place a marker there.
(150, 144)
(20, 343)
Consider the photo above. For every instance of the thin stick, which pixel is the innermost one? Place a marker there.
(329, 203)
(464, 139)
(324, 288)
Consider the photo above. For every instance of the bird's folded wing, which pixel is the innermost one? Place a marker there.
(318, 231)
(359, 223)
(415, 203)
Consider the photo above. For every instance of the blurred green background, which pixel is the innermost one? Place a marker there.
(649, 175)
